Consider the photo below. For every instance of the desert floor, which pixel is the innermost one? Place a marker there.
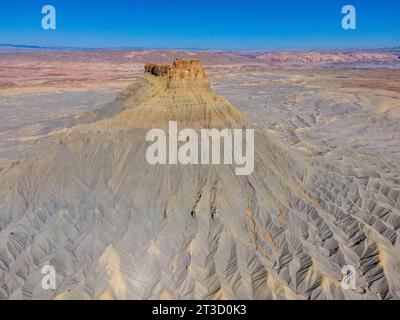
(338, 202)
(330, 112)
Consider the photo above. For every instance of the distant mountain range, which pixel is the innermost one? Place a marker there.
(21, 47)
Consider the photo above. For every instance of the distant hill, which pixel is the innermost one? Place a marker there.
(18, 47)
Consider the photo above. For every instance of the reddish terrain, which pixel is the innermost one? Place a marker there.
(18, 69)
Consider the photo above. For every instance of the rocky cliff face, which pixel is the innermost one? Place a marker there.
(187, 70)
(158, 70)
(182, 73)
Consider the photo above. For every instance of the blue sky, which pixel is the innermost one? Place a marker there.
(217, 24)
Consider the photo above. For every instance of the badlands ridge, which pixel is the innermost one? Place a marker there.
(114, 227)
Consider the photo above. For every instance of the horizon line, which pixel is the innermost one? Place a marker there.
(139, 48)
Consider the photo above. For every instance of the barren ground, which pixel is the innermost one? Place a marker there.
(318, 110)
(115, 227)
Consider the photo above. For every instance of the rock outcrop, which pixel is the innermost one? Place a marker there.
(182, 73)
(158, 70)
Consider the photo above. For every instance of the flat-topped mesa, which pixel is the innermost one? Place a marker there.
(183, 73)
